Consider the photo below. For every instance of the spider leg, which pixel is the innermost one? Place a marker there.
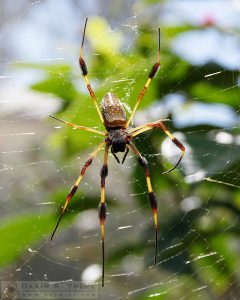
(152, 198)
(158, 124)
(124, 157)
(102, 205)
(76, 184)
(125, 154)
(78, 127)
(84, 69)
(151, 75)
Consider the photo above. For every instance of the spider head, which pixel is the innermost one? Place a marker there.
(118, 145)
(118, 140)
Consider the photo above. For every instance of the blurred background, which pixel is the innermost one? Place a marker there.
(196, 91)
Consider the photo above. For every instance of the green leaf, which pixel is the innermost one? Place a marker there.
(19, 233)
(210, 93)
(58, 85)
(220, 161)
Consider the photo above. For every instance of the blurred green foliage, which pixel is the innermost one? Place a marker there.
(200, 245)
(13, 230)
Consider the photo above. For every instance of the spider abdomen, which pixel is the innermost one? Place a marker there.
(113, 112)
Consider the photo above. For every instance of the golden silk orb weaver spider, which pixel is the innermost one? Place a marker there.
(118, 138)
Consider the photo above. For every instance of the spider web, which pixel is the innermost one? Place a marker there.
(198, 205)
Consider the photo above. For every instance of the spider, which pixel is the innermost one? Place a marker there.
(118, 138)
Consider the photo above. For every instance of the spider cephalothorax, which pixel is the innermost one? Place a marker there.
(118, 138)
